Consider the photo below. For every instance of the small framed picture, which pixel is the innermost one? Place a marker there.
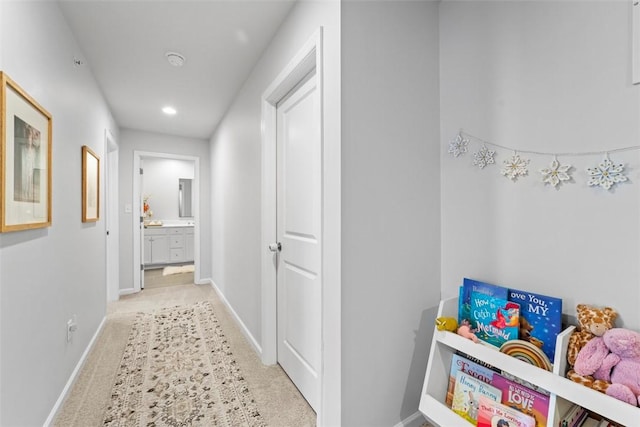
(90, 185)
(25, 168)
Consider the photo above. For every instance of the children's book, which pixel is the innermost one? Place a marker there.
(524, 399)
(574, 416)
(466, 395)
(495, 414)
(464, 299)
(478, 361)
(540, 319)
(475, 370)
(524, 383)
(497, 319)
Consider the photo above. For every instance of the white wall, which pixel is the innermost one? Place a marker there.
(47, 275)
(390, 206)
(160, 182)
(132, 140)
(552, 77)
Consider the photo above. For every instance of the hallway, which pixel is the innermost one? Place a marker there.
(278, 401)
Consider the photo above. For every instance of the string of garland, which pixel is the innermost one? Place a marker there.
(604, 175)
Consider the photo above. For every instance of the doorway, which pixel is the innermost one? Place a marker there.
(309, 58)
(299, 242)
(111, 217)
(138, 219)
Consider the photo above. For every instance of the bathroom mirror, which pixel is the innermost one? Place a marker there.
(184, 198)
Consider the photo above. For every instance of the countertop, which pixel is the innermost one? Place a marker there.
(170, 225)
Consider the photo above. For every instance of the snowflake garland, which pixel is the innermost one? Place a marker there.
(556, 173)
(515, 167)
(459, 145)
(484, 157)
(606, 174)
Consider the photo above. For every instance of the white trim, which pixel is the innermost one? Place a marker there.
(310, 56)
(635, 42)
(74, 374)
(135, 202)
(414, 420)
(127, 291)
(245, 331)
(111, 223)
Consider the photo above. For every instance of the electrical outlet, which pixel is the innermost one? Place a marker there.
(72, 326)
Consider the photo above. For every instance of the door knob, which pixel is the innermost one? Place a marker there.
(275, 247)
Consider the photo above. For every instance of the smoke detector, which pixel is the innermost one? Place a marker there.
(175, 59)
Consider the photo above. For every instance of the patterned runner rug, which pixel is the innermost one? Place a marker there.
(177, 370)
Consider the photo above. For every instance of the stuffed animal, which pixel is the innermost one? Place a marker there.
(625, 376)
(524, 333)
(592, 322)
(614, 358)
(467, 331)
(446, 324)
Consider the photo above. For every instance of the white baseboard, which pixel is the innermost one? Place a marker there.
(127, 291)
(414, 420)
(74, 374)
(243, 327)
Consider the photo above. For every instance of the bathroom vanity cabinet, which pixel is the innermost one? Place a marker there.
(168, 245)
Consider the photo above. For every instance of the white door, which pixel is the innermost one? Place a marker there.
(141, 224)
(299, 206)
(111, 219)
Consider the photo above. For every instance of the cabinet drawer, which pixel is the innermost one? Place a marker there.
(176, 241)
(154, 231)
(177, 255)
(174, 231)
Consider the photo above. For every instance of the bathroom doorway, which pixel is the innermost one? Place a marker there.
(161, 236)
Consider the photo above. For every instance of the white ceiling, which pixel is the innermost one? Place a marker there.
(124, 44)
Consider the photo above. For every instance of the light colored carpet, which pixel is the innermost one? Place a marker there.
(278, 401)
(156, 279)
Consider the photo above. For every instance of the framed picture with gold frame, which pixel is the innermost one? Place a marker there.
(90, 185)
(25, 166)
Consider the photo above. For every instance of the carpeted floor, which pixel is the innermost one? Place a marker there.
(156, 279)
(278, 401)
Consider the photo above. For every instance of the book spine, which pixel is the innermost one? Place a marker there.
(580, 420)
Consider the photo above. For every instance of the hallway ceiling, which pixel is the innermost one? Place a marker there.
(124, 44)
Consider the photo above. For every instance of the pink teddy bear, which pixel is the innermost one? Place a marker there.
(614, 357)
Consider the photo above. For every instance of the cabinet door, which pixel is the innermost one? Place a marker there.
(159, 249)
(188, 246)
(147, 250)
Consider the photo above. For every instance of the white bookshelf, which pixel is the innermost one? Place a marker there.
(563, 391)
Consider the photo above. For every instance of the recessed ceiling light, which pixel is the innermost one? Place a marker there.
(170, 111)
(176, 59)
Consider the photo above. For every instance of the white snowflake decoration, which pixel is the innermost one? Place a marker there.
(459, 145)
(606, 174)
(556, 173)
(483, 157)
(515, 167)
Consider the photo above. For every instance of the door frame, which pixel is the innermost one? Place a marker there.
(310, 56)
(112, 223)
(137, 208)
